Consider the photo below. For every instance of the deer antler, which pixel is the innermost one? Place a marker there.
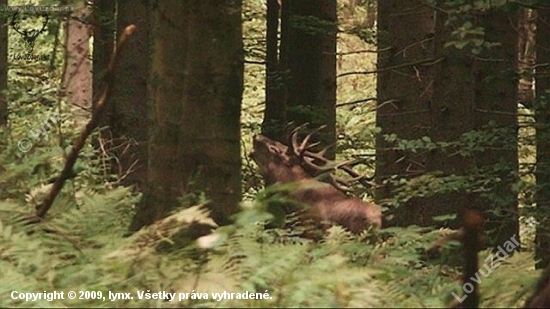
(299, 150)
(308, 158)
(345, 166)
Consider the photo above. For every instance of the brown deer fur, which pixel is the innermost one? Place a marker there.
(278, 165)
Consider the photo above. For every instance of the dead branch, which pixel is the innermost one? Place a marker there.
(363, 51)
(424, 62)
(43, 208)
(356, 102)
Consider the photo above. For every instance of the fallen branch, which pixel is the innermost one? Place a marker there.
(79, 143)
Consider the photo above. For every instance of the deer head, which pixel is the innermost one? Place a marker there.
(279, 163)
(296, 159)
(275, 161)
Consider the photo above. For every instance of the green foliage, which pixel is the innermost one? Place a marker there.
(85, 249)
(471, 145)
(468, 35)
(461, 20)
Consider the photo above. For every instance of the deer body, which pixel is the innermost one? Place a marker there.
(278, 164)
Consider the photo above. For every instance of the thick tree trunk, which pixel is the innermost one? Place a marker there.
(470, 92)
(542, 114)
(459, 100)
(197, 83)
(311, 56)
(451, 116)
(78, 75)
(3, 66)
(127, 118)
(167, 179)
(274, 121)
(212, 104)
(104, 40)
(495, 104)
(405, 31)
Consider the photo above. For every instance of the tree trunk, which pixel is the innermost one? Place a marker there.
(526, 57)
(104, 39)
(127, 117)
(3, 67)
(311, 60)
(451, 116)
(212, 103)
(197, 83)
(405, 28)
(78, 74)
(166, 182)
(454, 93)
(274, 121)
(542, 115)
(471, 92)
(495, 104)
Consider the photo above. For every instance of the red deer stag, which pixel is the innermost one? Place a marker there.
(279, 163)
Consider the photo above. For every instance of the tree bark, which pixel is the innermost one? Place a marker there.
(197, 83)
(495, 105)
(3, 67)
(274, 121)
(451, 112)
(526, 57)
(457, 92)
(104, 40)
(78, 75)
(127, 118)
(542, 115)
(311, 56)
(405, 30)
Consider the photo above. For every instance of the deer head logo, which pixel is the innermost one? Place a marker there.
(28, 33)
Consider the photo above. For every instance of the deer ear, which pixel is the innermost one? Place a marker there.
(273, 149)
